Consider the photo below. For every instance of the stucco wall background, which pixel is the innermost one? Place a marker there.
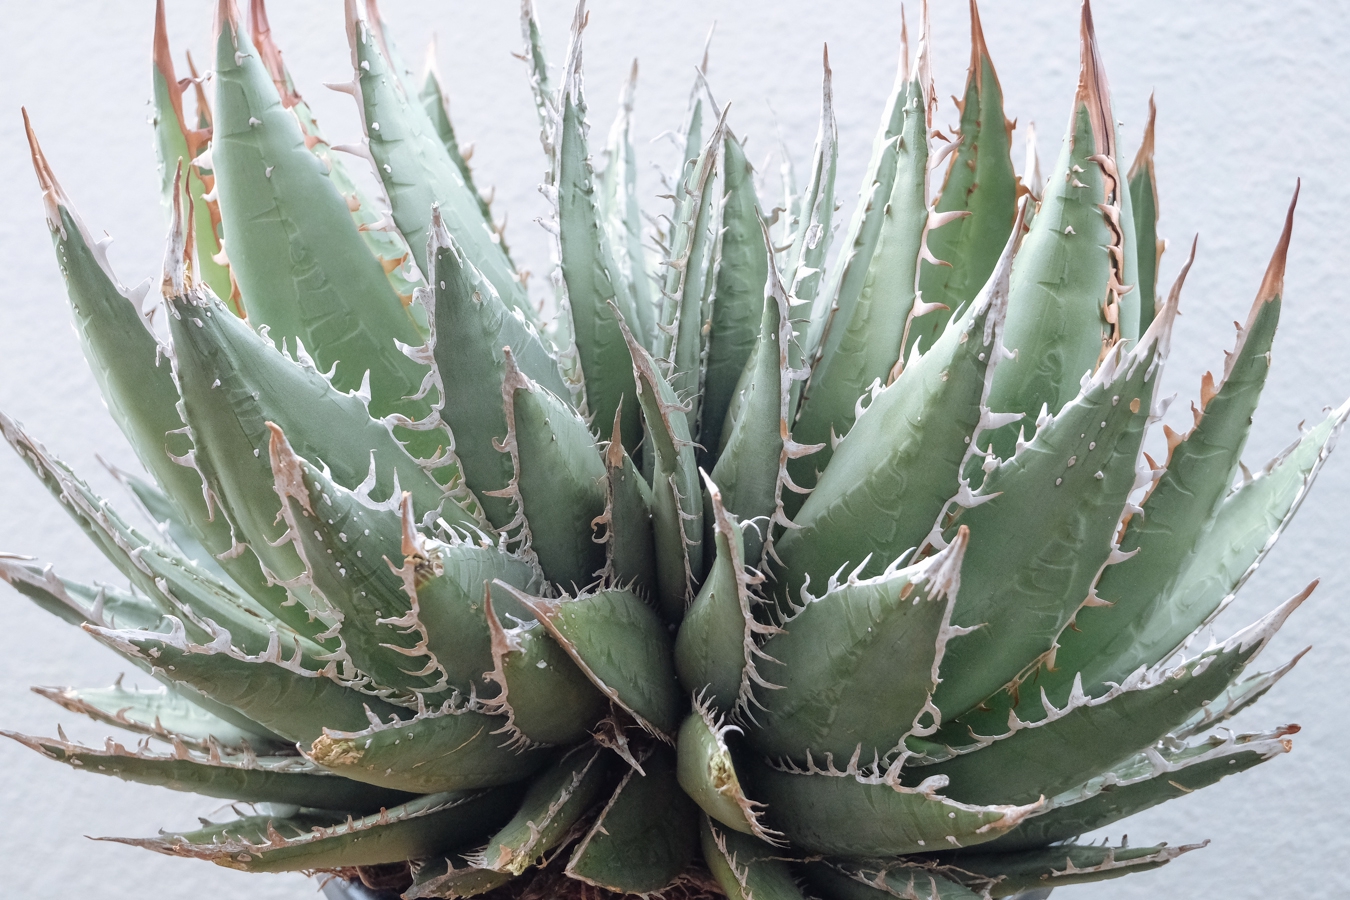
(1251, 96)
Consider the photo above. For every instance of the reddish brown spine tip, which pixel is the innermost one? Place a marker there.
(1143, 160)
(270, 53)
(227, 14)
(52, 195)
(904, 41)
(1272, 285)
(978, 48)
(1093, 90)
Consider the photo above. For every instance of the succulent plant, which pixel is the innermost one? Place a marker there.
(746, 574)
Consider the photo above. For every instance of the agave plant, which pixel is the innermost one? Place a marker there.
(745, 575)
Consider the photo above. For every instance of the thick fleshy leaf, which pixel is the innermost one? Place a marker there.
(1149, 247)
(415, 168)
(898, 468)
(1010, 874)
(545, 697)
(644, 837)
(855, 669)
(169, 582)
(1087, 736)
(838, 880)
(623, 217)
(677, 502)
(558, 480)
(163, 713)
(1065, 307)
(234, 383)
(308, 841)
(555, 802)
(453, 877)
(718, 641)
(746, 869)
(110, 607)
(302, 267)
(622, 646)
(372, 220)
(1045, 522)
(707, 773)
(681, 336)
(630, 553)
(275, 691)
(979, 191)
(744, 258)
(1163, 537)
(245, 776)
(855, 812)
(752, 469)
(470, 326)
(1155, 776)
(177, 142)
(590, 274)
(866, 328)
(133, 375)
(452, 748)
(1243, 531)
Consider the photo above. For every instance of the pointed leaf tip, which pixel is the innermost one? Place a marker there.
(1093, 91)
(52, 195)
(1272, 285)
(1144, 158)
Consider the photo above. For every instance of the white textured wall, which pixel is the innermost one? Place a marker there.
(1251, 96)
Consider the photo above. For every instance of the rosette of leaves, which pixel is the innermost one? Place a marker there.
(755, 571)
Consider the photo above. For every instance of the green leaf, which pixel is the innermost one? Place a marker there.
(1088, 735)
(302, 267)
(372, 222)
(707, 773)
(470, 326)
(644, 837)
(855, 669)
(746, 869)
(415, 168)
(981, 189)
(1009, 874)
(451, 748)
(623, 216)
(1064, 307)
(133, 374)
(244, 776)
(1045, 522)
(866, 329)
(557, 485)
(630, 553)
(169, 581)
(677, 503)
(838, 880)
(109, 607)
(270, 689)
(1149, 247)
(621, 645)
(176, 142)
(753, 467)
(1103, 644)
(233, 383)
(545, 697)
(855, 812)
(308, 841)
(1145, 780)
(738, 295)
(589, 272)
(681, 337)
(453, 876)
(163, 713)
(718, 639)
(554, 803)
(899, 467)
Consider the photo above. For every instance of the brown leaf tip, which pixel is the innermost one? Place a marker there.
(1272, 285)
